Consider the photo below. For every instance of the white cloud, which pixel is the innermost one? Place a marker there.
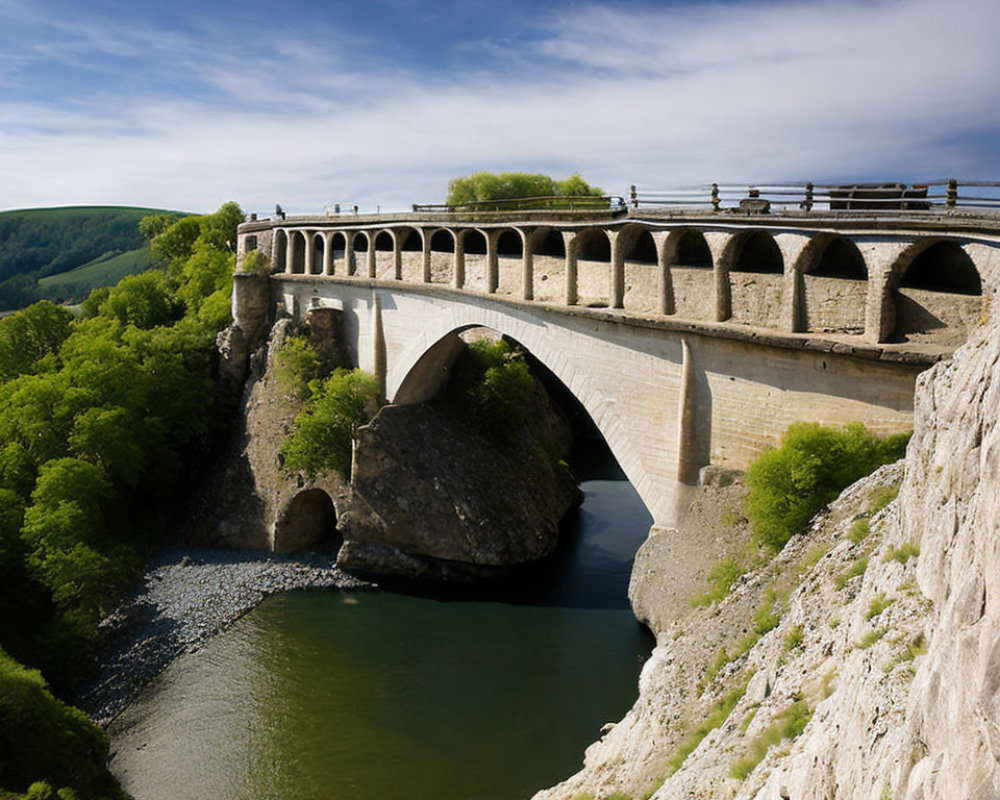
(772, 90)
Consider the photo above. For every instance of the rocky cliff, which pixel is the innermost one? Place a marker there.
(863, 661)
(432, 496)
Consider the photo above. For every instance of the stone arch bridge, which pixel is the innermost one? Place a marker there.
(691, 339)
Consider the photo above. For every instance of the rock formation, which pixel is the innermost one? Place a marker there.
(431, 496)
(877, 629)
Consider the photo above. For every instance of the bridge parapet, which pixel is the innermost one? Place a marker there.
(868, 277)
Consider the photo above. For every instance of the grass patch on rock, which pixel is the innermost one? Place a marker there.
(719, 714)
(901, 554)
(814, 463)
(853, 571)
(720, 578)
(790, 723)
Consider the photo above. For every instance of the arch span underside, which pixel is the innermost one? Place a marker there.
(740, 395)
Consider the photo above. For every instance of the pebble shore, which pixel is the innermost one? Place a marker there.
(187, 595)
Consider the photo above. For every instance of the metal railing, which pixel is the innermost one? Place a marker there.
(943, 195)
(546, 203)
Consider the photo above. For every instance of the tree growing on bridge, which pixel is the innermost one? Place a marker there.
(485, 186)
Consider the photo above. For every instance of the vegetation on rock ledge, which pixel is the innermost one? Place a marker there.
(814, 464)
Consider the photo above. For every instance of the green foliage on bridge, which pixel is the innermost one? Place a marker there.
(484, 186)
(814, 464)
(324, 430)
(99, 417)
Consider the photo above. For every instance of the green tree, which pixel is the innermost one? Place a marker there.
(68, 546)
(29, 335)
(176, 242)
(575, 186)
(484, 186)
(814, 464)
(296, 365)
(142, 300)
(42, 737)
(153, 225)
(324, 430)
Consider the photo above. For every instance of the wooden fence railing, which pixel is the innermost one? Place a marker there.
(889, 196)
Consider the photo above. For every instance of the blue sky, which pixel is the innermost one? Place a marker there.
(189, 104)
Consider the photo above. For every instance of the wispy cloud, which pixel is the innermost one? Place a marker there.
(656, 96)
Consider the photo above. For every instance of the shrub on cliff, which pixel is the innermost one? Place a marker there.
(324, 429)
(296, 365)
(814, 464)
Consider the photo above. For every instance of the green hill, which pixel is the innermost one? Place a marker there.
(105, 270)
(37, 244)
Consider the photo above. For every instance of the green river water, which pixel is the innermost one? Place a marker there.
(480, 696)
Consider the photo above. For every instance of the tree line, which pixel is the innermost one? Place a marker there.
(99, 416)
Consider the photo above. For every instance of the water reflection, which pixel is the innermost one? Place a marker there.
(318, 695)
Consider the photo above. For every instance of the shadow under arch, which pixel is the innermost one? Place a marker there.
(428, 372)
(688, 277)
(279, 251)
(308, 519)
(831, 277)
(935, 290)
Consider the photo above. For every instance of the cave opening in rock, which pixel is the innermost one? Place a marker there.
(309, 520)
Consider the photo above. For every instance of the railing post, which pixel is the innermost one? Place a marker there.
(952, 200)
(715, 197)
(808, 204)
(633, 196)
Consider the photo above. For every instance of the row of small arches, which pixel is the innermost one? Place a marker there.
(940, 266)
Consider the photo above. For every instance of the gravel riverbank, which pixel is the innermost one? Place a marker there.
(188, 594)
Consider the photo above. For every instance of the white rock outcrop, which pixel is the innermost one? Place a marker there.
(887, 646)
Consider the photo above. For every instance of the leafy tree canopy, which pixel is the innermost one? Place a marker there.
(97, 416)
(483, 186)
(324, 429)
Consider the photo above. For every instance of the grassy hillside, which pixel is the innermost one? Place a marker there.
(105, 270)
(39, 243)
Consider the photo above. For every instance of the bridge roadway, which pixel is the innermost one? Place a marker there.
(690, 340)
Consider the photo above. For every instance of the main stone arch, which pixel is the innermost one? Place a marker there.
(422, 369)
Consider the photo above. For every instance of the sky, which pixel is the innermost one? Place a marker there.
(188, 104)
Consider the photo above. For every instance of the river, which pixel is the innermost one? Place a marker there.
(411, 695)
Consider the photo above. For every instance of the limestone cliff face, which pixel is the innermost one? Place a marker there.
(250, 500)
(888, 640)
(431, 497)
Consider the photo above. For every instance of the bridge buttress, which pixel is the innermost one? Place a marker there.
(307, 256)
(792, 246)
(350, 268)
(719, 245)
(492, 260)
(372, 263)
(458, 260)
(527, 265)
(664, 282)
(880, 313)
(328, 253)
(616, 287)
(570, 293)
